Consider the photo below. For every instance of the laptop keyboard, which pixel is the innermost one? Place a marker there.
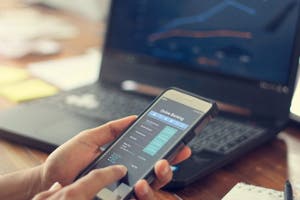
(223, 136)
(99, 102)
(220, 136)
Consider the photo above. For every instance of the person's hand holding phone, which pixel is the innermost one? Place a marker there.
(66, 162)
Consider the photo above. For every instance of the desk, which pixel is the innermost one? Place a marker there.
(267, 166)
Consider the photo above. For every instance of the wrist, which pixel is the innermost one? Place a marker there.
(35, 184)
(23, 184)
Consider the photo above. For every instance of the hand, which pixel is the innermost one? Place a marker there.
(66, 162)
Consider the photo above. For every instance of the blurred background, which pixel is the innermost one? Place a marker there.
(47, 46)
(52, 45)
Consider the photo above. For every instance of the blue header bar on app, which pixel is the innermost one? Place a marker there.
(168, 120)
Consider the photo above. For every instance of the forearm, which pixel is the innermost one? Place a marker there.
(21, 185)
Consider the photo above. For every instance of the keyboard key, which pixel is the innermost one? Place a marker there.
(223, 136)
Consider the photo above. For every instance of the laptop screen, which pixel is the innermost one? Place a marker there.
(251, 42)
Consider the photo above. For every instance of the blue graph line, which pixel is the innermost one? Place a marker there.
(210, 13)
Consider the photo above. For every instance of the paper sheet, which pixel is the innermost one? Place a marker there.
(295, 107)
(27, 90)
(69, 73)
(12, 74)
(242, 191)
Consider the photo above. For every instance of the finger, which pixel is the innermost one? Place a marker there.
(184, 154)
(44, 195)
(96, 180)
(163, 174)
(86, 143)
(107, 132)
(143, 191)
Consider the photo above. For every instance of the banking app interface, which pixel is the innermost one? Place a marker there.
(147, 141)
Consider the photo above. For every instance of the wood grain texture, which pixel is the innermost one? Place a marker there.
(268, 166)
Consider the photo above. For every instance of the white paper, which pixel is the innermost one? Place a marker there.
(242, 191)
(295, 107)
(69, 73)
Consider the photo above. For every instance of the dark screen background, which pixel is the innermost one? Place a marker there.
(248, 39)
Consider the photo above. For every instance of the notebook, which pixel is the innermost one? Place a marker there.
(243, 191)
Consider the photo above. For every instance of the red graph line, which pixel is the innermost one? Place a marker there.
(199, 34)
(208, 61)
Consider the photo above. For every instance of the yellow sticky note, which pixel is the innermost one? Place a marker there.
(27, 90)
(12, 74)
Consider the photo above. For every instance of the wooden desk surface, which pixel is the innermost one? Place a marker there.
(268, 166)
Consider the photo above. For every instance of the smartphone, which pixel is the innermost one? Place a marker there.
(160, 132)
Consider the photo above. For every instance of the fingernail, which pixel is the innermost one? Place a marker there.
(144, 191)
(178, 197)
(55, 186)
(165, 171)
(122, 168)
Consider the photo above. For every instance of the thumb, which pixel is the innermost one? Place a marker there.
(97, 179)
(53, 189)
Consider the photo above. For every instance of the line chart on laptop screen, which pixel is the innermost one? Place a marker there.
(249, 39)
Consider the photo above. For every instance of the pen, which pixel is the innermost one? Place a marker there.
(288, 191)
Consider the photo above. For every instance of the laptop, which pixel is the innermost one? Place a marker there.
(241, 53)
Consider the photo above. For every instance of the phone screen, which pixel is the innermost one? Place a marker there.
(162, 126)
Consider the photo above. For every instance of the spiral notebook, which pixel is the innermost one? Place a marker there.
(242, 191)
